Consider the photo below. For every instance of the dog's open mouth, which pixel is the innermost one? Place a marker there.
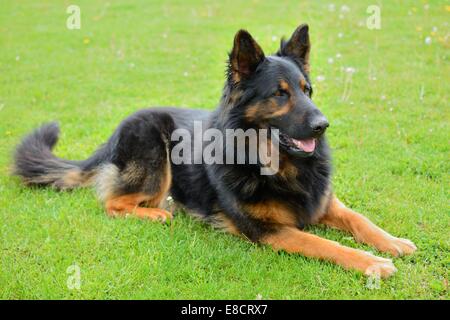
(305, 146)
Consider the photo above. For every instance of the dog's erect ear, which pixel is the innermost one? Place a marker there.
(298, 46)
(245, 56)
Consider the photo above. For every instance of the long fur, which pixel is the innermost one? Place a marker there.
(36, 164)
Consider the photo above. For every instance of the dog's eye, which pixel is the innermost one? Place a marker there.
(281, 93)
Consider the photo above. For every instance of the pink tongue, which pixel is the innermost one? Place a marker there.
(307, 145)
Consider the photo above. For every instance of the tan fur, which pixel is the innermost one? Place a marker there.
(64, 179)
(284, 85)
(252, 112)
(271, 211)
(277, 112)
(130, 204)
(302, 84)
(307, 66)
(287, 169)
(77, 178)
(340, 217)
(295, 241)
(266, 110)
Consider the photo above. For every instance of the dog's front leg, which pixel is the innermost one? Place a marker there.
(293, 240)
(340, 217)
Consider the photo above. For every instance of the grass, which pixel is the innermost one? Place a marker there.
(390, 139)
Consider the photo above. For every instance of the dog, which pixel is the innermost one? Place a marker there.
(134, 173)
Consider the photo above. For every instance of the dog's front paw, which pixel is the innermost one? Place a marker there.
(380, 266)
(368, 263)
(397, 246)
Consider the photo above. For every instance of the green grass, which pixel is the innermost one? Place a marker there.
(390, 144)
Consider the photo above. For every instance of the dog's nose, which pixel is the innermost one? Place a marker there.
(320, 125)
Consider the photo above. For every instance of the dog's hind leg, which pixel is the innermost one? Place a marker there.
(143, 204)
(132, 204)
(138, 178)
(340, 217)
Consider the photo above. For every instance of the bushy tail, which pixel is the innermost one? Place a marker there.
(36, 164)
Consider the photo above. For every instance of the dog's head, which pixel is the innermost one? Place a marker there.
(275, 91)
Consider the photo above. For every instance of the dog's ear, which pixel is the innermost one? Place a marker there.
(298, 46)
(245, 56)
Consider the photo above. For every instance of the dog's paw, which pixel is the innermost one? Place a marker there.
(160, 215)
(155, 214)
(368, 263)
(397, 246)
(377, 266)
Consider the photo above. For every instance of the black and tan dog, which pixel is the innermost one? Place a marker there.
(134, 173)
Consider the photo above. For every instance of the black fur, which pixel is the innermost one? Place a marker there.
(34, 160)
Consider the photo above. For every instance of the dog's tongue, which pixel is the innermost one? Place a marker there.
(307, 145)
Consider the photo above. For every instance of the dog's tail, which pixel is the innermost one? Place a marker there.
(36, 164)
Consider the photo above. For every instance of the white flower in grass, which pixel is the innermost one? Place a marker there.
(331, 7)
(428, 40)
(345, 9)
(338, 55)
(330, 60)
(320, 78)
(274, 38)
(340, 35)
(186, 74)
(350, 70)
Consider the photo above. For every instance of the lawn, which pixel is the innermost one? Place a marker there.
(384, 91)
